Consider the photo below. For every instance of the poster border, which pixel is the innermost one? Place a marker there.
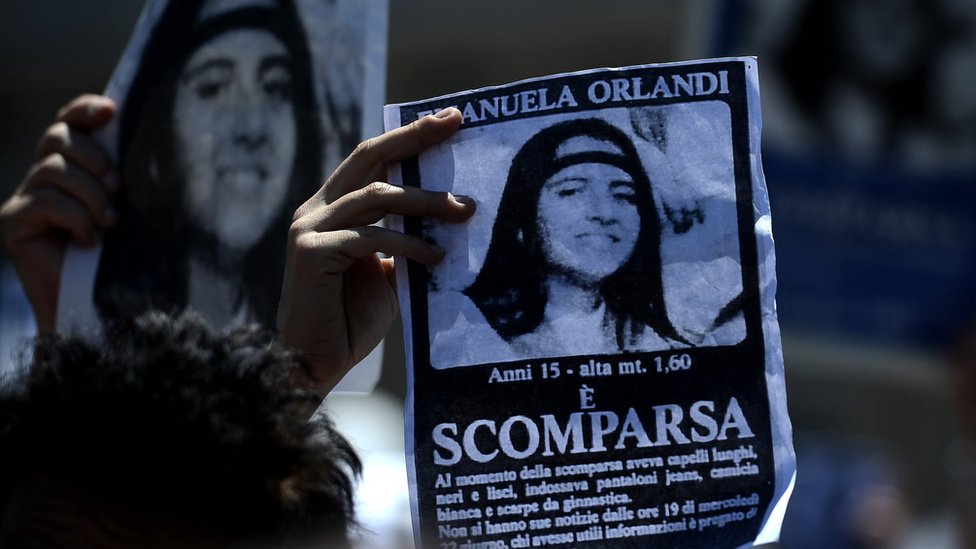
(756, 260)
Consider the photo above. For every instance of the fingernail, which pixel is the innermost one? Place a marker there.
(112, 180)
(98, 105)
(445, 113)
(463, 200)
(435, 248)
(111, 216)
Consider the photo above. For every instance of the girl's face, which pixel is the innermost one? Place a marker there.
(588, 221)
(235, 134)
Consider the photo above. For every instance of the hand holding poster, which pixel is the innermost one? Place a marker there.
(231, 113)
(596, 361)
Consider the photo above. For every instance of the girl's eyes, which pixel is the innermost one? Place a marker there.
(622, 196)
(211, 82)
(278, 90)
(629, 198)
(623, 191)
(276, 82)
(209, 89)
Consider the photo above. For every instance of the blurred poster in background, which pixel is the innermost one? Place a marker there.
(869, 152)
(869, 148)
(231, 113)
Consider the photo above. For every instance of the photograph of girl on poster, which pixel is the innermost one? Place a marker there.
(222, 134)
(575, 264)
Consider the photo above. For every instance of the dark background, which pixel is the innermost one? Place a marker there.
(874, 416)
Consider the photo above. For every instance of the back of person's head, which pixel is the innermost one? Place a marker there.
(168, 434)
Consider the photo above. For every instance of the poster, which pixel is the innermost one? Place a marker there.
(870, 156)
(596, 362)
(230, 115)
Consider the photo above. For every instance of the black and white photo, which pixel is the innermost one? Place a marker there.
(610, 236)
(596, 360)
(231, 112)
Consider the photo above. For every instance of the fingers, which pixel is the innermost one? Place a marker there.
(79, 148)
(339, 249)
(335, 222)
(87, 112)
(74, 183)
(71, 164)
(369, 161)
(65, 193)
(373, 202)
(47, 207)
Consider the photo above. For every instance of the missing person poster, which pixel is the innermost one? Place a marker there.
(231, 113)
(596, 362)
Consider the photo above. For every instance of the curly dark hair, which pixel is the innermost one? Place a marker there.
(168, 416)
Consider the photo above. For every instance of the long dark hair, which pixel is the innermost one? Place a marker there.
(510, 289)
(145, 258)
